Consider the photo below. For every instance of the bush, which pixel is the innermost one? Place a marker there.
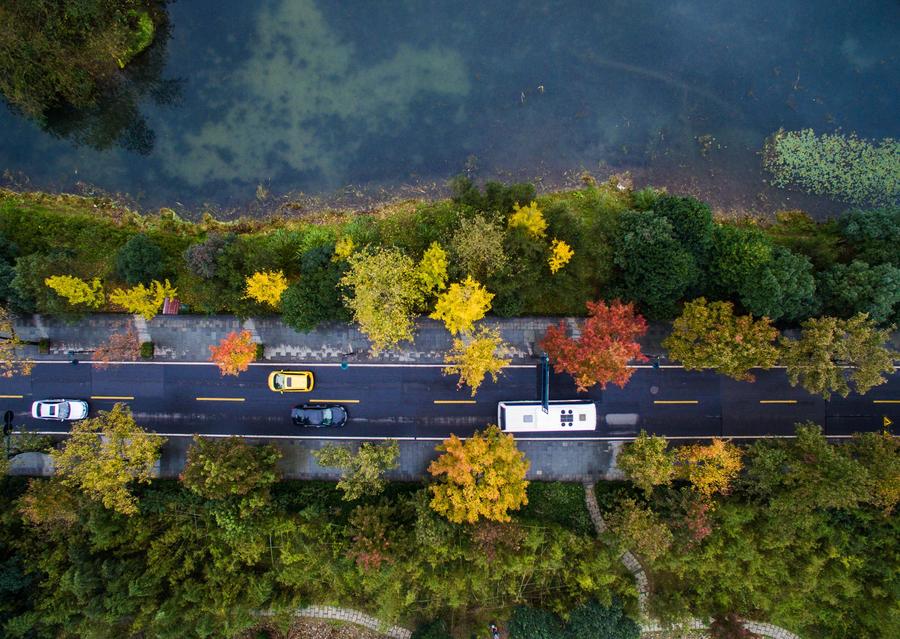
(873, 235)
(560, 502)
(691, 221)
(44, 346)
(798, 232)
(496, 196)
(847, 289)
(140, 261)
(147, 350)
(436, 629)
(533, 623)
(655, 270)
(202, 258)
(316, 298)
(596, 621)
(260, 352)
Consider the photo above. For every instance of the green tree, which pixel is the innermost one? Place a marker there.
(478, 247)
(363, 472)
(105, 454)
(738, 254)
(873, 234)
(709, 335)
(57, 53)
(482, 477)
(879, 453)
(831, 354)
(647, 462)
(655, 270)
(221, 468)
(692, 223)
(847, 289)
(640, 530)
(140, 261)
(799, 233)
(783, 288)
(384, 291)
(317, 297)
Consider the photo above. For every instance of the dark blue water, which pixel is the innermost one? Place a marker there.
(299, 95)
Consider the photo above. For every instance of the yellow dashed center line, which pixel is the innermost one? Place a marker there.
(778, 401)
(335, 401)
(220, 399)
(11, 396)
(454, 401)
(675, 401)
(112, 396)
(879, 401)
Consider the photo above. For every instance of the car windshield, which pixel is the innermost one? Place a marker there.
(326, 416)
(64, 410)
(278, 381)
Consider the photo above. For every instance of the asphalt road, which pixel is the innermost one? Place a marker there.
(418, 401)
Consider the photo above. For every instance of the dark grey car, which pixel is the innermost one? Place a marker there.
(319, 415)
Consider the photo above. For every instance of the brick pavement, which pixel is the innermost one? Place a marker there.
(188, 337)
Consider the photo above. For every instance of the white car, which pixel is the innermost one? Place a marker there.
(59, 409)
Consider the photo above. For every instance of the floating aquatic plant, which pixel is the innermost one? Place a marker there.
(844, 167)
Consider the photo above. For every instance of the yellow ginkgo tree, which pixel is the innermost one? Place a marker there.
(529, 218)
(462, 305)
(266, 287)
(560, 254)
(77, 291)
(143, 300)
(432, 269)
(475, 356)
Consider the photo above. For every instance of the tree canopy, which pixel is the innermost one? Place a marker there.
(831, 354)
(481, 477)
(105, 454)
(709, 335)
(601, 353)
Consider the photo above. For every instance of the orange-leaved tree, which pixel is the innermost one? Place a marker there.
(482, 477)
(601, 353)
(234, 353)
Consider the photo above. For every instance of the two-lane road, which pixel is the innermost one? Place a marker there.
(407, 400)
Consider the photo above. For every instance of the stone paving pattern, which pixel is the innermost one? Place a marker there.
(188, 337)
(557, 461)
(631, 562)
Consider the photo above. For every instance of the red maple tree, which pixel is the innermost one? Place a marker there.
(120, 347)
(601, 353)
(234, 353)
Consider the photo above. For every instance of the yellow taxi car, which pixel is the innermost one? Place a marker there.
(291, 381)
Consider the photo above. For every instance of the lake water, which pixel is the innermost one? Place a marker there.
(311, 96)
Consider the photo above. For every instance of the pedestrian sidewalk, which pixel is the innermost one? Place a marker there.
(188, 338)
(575, 461)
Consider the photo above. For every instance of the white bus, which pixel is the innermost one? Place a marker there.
(529, 416)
